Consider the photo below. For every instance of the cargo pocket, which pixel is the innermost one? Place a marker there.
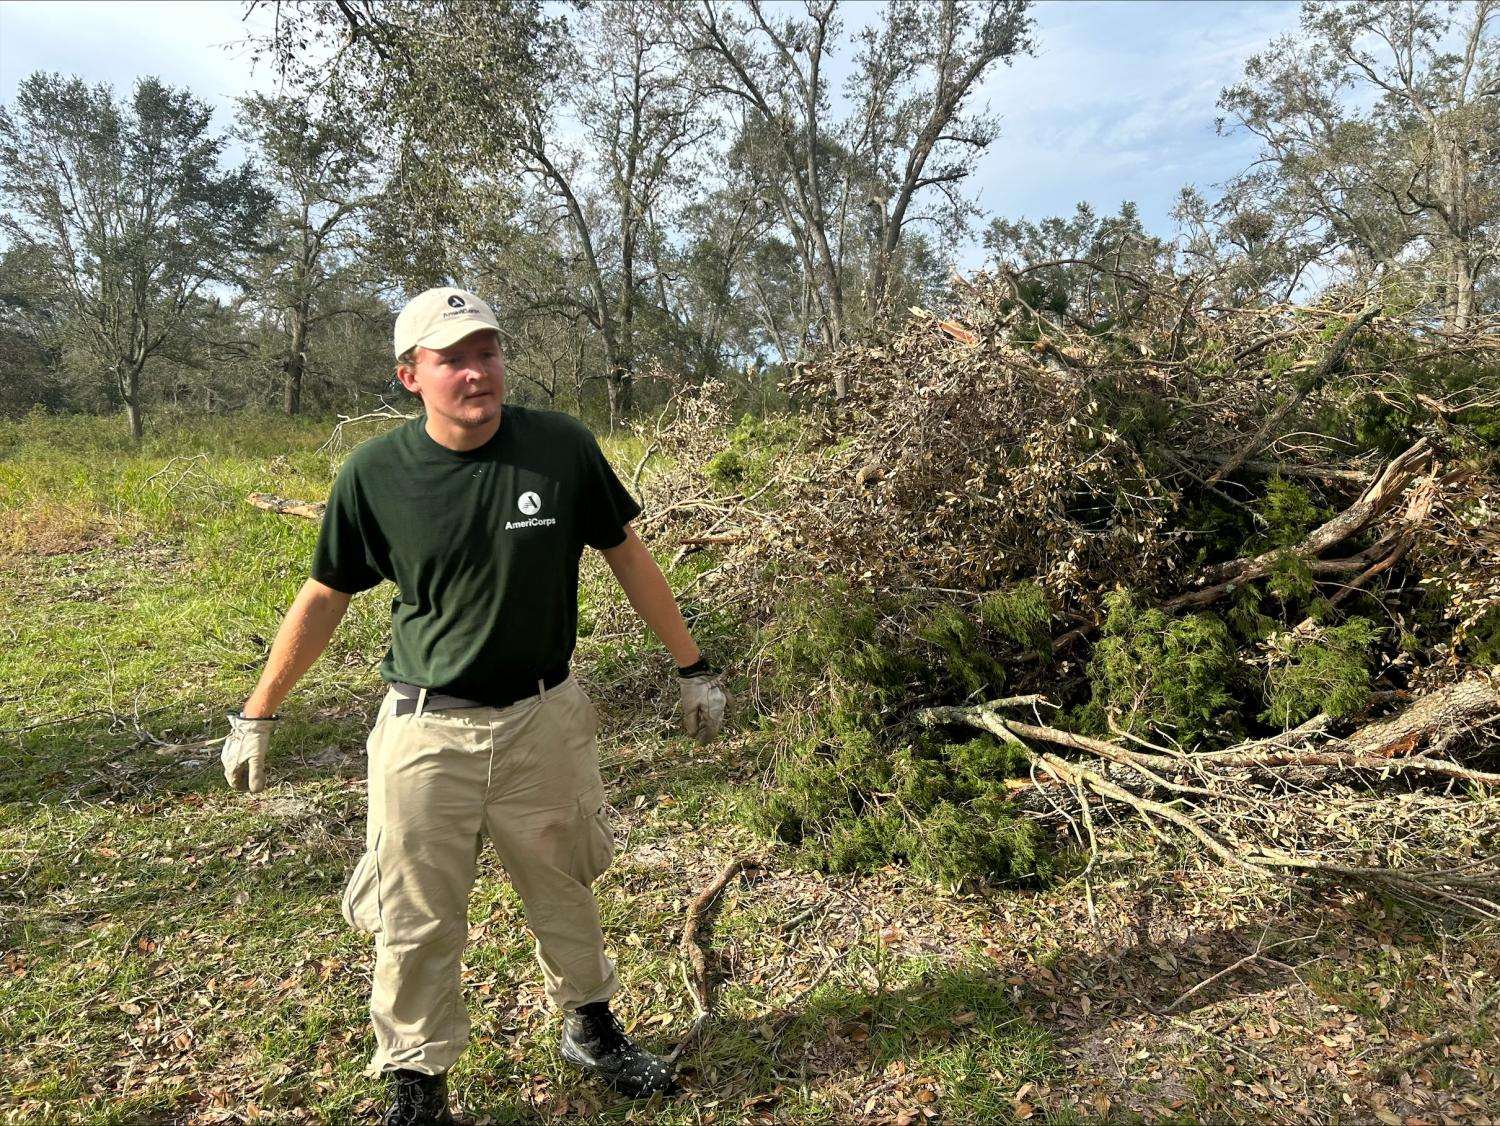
(596, 843)
(361, 903)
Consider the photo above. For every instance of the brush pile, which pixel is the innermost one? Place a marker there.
(1248, 559)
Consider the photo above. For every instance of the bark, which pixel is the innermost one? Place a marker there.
(1383, 493)
(284, 506)
(296, 360)
(1438, 721)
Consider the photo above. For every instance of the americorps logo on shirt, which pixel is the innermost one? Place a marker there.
(530, 504)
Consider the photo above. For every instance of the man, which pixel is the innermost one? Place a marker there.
(478, 513)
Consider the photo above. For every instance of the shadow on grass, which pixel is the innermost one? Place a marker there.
(106, 759)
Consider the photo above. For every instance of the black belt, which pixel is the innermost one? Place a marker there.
(439, 699)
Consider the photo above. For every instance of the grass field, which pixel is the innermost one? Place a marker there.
(172, 952)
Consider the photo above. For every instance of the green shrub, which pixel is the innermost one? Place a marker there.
(1289, 512)
(1329, 674)
(1159, 673)
(848, 792)
(756, 448)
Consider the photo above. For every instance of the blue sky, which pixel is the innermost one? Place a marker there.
(1119, 102)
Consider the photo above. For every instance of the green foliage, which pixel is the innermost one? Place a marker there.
(756, 448)
(829, 631)
(1481, 640)
(1290, 578)
(967, 642)
(846, 791)
(157, 223)
(1289, 512)
(1019, 614)
(1219, 530)
(941, 808)
(1244, 615)
(956, 637)
(1329, 674)
(1381, 425)
(1159, 673)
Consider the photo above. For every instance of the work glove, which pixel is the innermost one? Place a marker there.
(703, 701)
(244, 753)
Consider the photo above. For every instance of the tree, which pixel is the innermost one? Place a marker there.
(913, 76)
(322, 168)
(1379, 124)
(125, 205)
(441, 86)
(30, 336)
(1090, 271)
(844, 188)
(1245, 249)
(612, 183)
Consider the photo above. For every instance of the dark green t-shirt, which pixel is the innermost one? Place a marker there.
(483, 546)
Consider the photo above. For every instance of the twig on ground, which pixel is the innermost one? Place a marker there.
(694, 962)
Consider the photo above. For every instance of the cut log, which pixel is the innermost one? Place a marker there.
(307, 509)
(1437, 721)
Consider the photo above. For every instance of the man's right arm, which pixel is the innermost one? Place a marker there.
(304, 634)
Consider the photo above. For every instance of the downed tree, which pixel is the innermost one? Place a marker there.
(1281, 804)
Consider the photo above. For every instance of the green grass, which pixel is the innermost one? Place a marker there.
(174, 949)
(171, 951)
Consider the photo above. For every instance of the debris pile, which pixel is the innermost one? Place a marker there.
(1253, 533)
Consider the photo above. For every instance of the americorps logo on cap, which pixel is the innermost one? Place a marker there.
(529, 503)
(456, 302)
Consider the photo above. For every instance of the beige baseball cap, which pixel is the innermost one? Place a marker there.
(437, 318)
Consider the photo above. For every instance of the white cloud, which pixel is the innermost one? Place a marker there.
(1120, 104)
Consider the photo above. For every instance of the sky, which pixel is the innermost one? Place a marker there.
(1117, 104)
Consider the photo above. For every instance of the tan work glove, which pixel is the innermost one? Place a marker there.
(244, 753)
(703, 701)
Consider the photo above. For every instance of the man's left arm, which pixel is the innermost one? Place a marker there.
(646, 587)
(703, 701)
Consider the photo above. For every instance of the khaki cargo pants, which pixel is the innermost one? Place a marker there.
(526, 777)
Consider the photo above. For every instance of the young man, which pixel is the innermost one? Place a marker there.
(478, 513)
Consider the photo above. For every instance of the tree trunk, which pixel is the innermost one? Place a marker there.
(296, 361)
(619, 386)
(129, 379)
(1462, 280)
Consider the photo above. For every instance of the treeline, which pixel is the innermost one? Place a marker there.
(679, 187)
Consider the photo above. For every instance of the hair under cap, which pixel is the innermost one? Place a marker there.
(439, 317)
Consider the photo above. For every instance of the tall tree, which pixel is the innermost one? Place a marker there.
(639, 126)
(127, 207)
(1378, 123)
(908, 132)
(441, 86)
(915, 74)
(322, 168)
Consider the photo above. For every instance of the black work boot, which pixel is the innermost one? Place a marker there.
(418, 1100)
(594, 1040)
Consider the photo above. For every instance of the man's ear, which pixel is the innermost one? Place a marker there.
(407, 374)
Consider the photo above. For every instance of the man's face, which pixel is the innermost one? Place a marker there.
(462, 386)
